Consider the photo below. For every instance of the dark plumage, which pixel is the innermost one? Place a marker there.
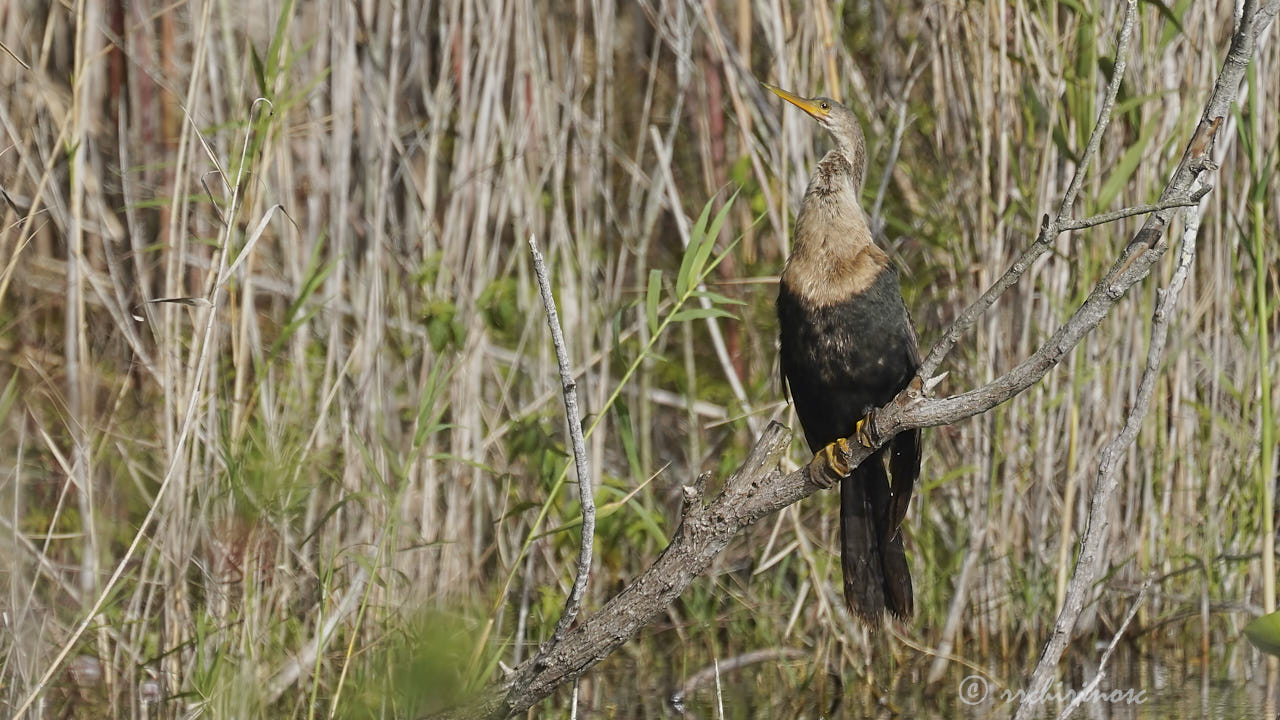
(846, 348)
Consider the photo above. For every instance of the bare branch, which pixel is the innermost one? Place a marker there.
(1104, 112)
(1106, 655)
(1252, 21)
(585, 487)
(1049, 229)
(1135, 210)
(755, 490)
(1143, 250)
(1088, 566)
(708, 674)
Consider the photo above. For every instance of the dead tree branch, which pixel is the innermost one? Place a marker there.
(586, 489)
(1111, 217)
(1088, 566)
(754, 491)
(1049, 229)
(707, 675)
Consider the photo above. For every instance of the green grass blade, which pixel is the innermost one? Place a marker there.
(1128, 165)
(683, 280)
(1264, 633)
(708, 243)
(701, 313)
(651, 299)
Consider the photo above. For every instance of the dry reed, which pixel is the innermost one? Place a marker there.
(356, 429)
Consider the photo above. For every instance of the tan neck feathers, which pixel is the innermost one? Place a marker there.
(833, 256)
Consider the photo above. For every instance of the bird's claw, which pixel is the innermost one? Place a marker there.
(838, 454)
(831, 464)
(862, 431)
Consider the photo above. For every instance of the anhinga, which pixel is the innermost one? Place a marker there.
(847, 347)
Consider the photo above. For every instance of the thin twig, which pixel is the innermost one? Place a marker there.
(708, 674)
(585, 488)
(900, 128)
(1135, 210)
(1104, 113)
(1049, 229)
(1088, 567)
(1252, 20)
(1088, 689)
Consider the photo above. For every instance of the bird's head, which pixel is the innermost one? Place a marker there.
(838, 120)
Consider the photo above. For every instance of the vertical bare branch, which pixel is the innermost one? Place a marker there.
(585, 488)
(1088, 567)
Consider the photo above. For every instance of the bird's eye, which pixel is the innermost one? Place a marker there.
(825, 105)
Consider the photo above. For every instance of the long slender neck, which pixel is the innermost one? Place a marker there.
(854, 148)
(830, 215)
(832, 256)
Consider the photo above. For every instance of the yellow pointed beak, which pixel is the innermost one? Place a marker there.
(815, 110)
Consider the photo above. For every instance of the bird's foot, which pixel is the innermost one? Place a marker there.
(831, 464)
(862, 430)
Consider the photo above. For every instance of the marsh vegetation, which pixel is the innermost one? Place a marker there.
(281, 430)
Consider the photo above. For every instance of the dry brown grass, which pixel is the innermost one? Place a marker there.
(351, 443)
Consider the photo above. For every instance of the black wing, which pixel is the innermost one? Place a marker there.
(904, 457)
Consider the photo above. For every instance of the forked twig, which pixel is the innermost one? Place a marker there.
(1049, 229)
(1085, 691)
(1088, 566)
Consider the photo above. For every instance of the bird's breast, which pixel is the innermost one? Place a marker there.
(842, 359)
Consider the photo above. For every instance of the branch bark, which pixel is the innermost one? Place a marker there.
(1049, 229)
(586, 488)
(758, 489)
(1089, 565)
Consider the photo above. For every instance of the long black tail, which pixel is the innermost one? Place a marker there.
(860, 545)
(904, 468)
(876, 574)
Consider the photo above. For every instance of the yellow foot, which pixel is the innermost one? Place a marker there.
(838, 457)
(831, 464)
(862, 431)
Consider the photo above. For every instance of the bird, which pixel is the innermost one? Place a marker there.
(846, 348)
